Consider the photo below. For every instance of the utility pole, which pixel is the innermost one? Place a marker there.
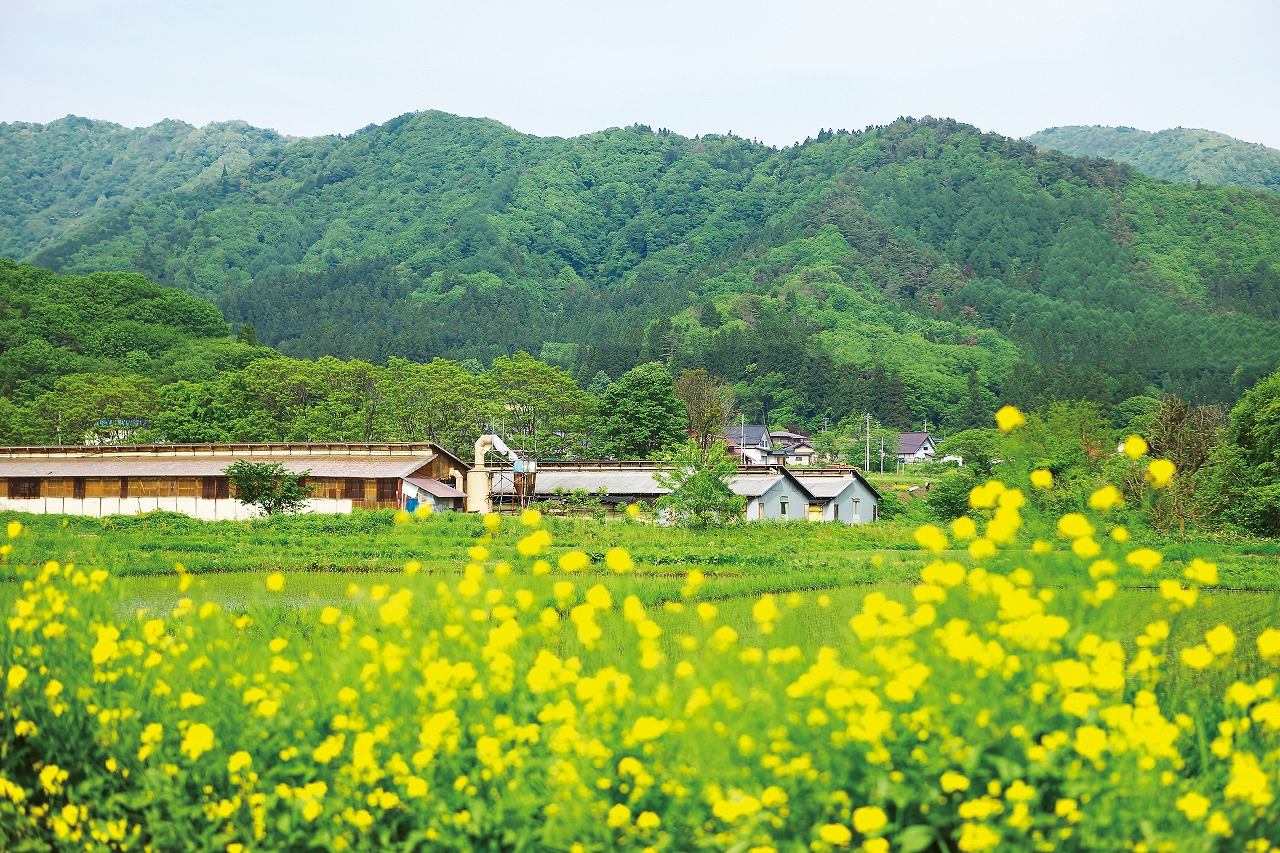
(882, 454)
(867, 465)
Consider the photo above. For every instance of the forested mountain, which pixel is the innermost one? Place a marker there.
(1180, 154)
(918, 270)
(57, 176)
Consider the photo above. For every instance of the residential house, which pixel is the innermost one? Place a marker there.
(840, 494)
(750, 443)
(791, 448)
(916, 447)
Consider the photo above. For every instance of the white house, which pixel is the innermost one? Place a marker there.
(916, 447)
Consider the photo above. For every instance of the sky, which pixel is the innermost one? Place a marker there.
(777, 71)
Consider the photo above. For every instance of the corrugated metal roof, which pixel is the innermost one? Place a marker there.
(624, 482)
(435, 487)
(753, 486)
(826, 487)
(207, 466)
(639, 483)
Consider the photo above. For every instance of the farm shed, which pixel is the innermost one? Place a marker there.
(190, 479)
(841, 494)
(772, 491)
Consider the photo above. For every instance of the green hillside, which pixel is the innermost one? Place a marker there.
(1180, 154)
(58, 176)
(921, 269)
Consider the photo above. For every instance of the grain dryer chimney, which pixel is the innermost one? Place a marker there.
(480, 478)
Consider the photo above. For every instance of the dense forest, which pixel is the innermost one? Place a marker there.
(920, 270)
(56, 177)
(1180, 154)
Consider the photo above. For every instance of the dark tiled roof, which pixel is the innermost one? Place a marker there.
(910, 442)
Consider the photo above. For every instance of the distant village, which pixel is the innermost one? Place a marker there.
(781, 476)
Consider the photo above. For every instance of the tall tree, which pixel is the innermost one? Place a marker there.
(640, 413)
(708, 403)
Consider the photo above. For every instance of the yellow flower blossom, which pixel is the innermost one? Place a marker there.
(1269, 644)
(197, 741)
(275, 581)
(1105, 498)
(835, 833)
(964, 528)
(618, 560)
(1160, 472)
(1221, 640)
(869, 819)
(1144, 558)
(1073, 525)
(1042, 478)
(574, 561)
(1009, 418)
(931, 538)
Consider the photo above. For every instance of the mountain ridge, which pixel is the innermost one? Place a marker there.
(1185, 155)
(784, 270)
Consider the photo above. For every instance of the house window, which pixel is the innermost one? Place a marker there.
(782, 508)
(835, 511)
(387, 488)
(77, 488)
(24, 488)
(856, 514)
(353, 489)
(124, 488)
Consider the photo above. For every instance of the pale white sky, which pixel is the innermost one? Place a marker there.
(777, 71)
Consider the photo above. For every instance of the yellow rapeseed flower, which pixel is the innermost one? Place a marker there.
(1105, 498)
(618, 560)
(574, 561)
(15, 528)
(1161, 471)
(1090, 742)
(492, 521)
(1009, 418)
(1042, 478)
(275, 581)
(1221, 640)
(964, 527)
(1193, 805)
(1073, 525)
(648, 820)
(869, 819)
(1269, 644)
(619, 815)
(17, 675)
(952, 781)
(530, 518)
(1134, 446)
(1144, 558)
(197, 741)
(931, 538)
(1197, 657)
(835, 833)
(633, 510)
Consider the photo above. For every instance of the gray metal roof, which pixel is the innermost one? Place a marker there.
(753, 485)
(207, 466)
(622, 482)
(826, 487)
